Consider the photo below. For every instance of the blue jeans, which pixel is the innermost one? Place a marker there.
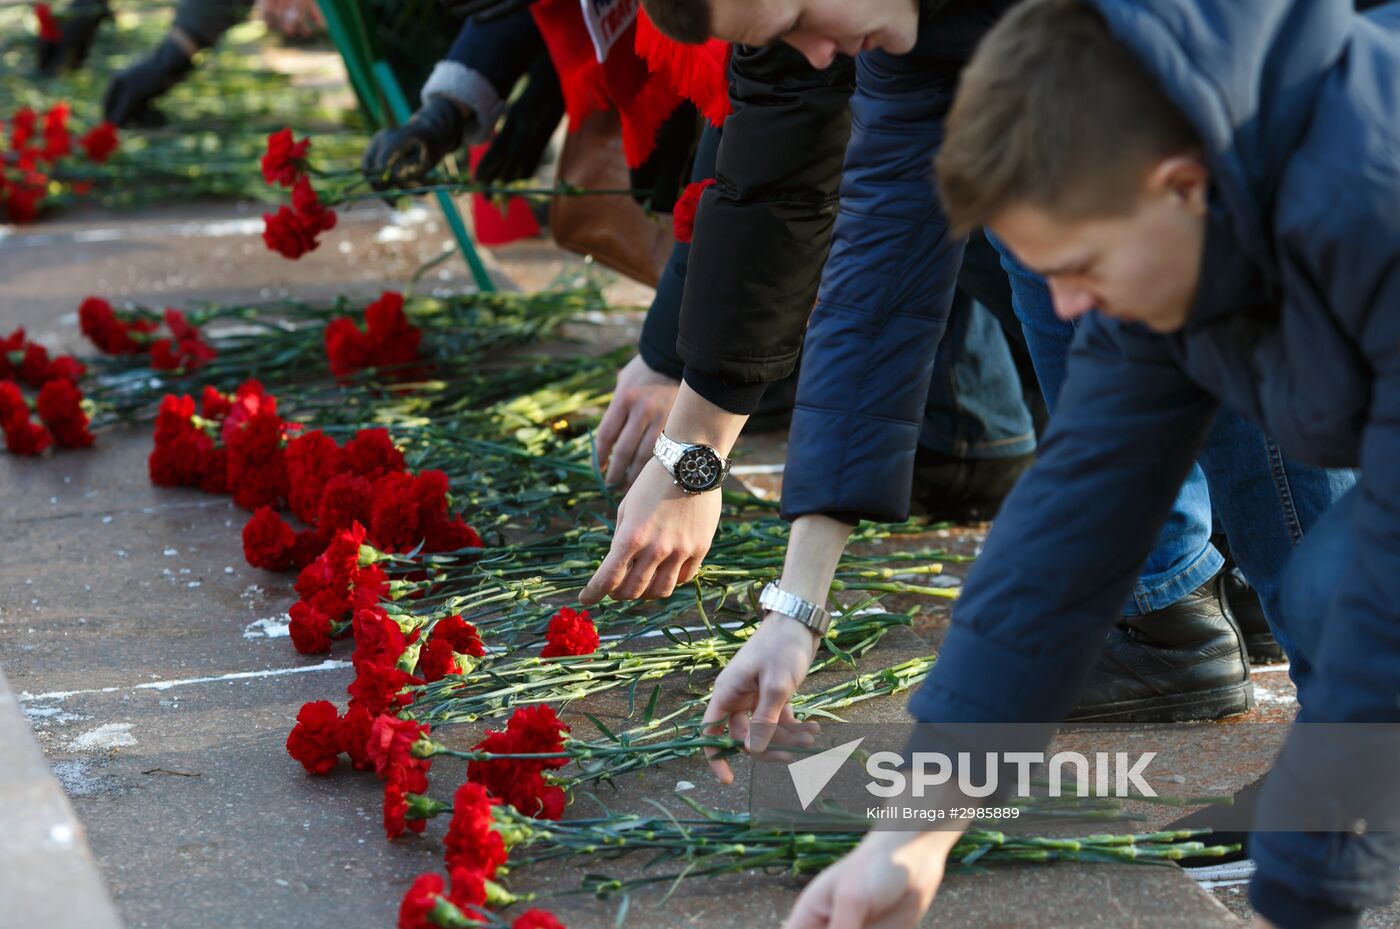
(975, 406)
(1264, 501)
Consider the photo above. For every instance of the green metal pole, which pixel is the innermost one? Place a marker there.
(393, 95)
(357, 62)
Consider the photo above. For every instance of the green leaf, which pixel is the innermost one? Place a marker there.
(599, 723)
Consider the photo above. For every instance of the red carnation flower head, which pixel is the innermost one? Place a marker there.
(436, 661)
(390, 746)
(22, 202)
(48, 26)
(420, 902)
(60, 407)
(99, 142)
(683, 217)
(355, 727)
(372, 453)
(11, 400)
(346, 499)
(570, 633)
(34, 367)
(24, 436)
(393, 341)
(183, 452)
(472, 841)
(284, 162)
(347, 348)
(110, 333)
(67, 368)
(520, 782)
(460, 634)
(313, 458)
(268, 540)
(379, 639)
(213, 404)
(257, 468)
(310, 629)
(22, 125)
(537, 919)
(58, 142)
(315, 739)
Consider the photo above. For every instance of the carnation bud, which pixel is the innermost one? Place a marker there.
(368, 555)
(421, 807)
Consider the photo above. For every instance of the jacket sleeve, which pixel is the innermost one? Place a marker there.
(1061, 558)
(762, 230)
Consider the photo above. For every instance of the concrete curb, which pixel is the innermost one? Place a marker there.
(47, 874)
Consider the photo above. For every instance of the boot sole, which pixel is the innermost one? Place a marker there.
(1212, 704)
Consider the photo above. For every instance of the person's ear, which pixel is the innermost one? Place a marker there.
(1183, 178)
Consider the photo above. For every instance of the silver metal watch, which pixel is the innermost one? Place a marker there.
(694, 468)
(812, 615)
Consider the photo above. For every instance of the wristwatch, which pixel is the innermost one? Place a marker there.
(694, 468)
(809, 614)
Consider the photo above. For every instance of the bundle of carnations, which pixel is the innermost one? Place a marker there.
(33, 158)
(63, 421)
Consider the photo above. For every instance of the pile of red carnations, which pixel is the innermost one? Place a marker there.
(33, 146)
(182, 349)
(58, 402)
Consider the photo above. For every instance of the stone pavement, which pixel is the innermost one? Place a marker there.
(153, 666)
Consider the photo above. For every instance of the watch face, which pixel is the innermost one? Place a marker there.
(698, 469)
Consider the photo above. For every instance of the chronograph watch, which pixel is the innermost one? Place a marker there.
(694, 468)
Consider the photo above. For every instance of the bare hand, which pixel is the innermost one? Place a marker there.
(640, 404)
(887, 881)
(760, 679)
(661, 539)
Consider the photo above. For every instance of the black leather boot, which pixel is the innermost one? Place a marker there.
(1183, 662)
(963, 490)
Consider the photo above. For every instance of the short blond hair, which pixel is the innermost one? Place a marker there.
(1054, 112)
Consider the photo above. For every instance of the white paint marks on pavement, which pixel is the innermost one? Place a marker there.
(272, 627)
(103, 738)
(327, 665)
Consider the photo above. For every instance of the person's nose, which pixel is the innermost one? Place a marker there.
(818, 51)
(1071, 301)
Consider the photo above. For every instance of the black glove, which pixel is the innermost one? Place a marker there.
(401, 155)
(78, 26)
(486, 11)
(515, 153)
(664, 173)
(129, 95)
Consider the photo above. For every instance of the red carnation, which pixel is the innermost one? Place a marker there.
(48, 26)
(377, 687)
(347, 348)
(393, 341)
(472, 841)
(396, 812)
(11, 400)
(437, 660)
(345, 500)
(371, 453)
(520, 782)
(182, 450)
(378, 638)
(213, 404)
(420, 902)
(355, 726)
(460, 634)
(34, 368)
(683, 217)
(268, 541)
(284, 160)
(390, 746)
(99, 142)
(23, 436)
(310, 629)
(58, 142)
(570, 633)
(60, 407)
(257, 469)
(67, 368)
(312, 459)
(315, 739)
(22, 127)
(537, 919)
(109, 333)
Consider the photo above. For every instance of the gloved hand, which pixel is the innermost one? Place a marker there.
(129, 95)
(665, 173)
(402, 155)
(79, 25)
(516, 151)
(486, 11)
